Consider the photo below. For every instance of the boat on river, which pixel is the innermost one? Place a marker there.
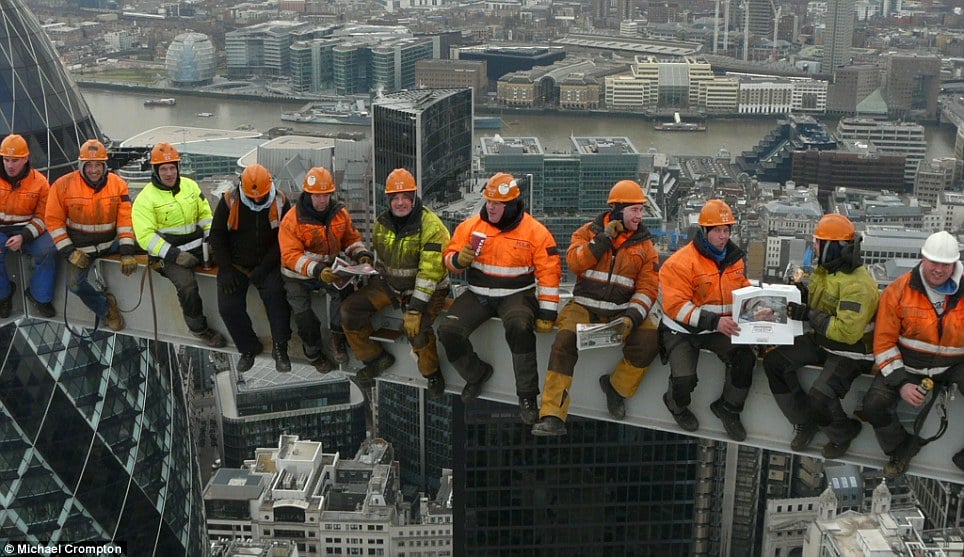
(678, 125)
(170, 101)
(352, 114)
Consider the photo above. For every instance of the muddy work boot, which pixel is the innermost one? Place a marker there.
(900, 459)
(803, 434)
(436, 386)
(615, 403)
(471, 391)
(114, 318)
(528, 410)
(211, 338)
(730, 418)
(339, 347)
(44, 309)
(246, 361)
(684, 417)
(836, 449)
(549, 426)
(375, 367)
(279, 352)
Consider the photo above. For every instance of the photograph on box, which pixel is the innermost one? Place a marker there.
(761, 313)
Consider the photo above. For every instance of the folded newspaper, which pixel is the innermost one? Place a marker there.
(761, 313)
(599, 335)
(347, 273)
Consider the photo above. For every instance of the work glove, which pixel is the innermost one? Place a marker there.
(365, 260)
(797, 312)
(258, 274)
(412, 322)
(326, 274)
(187, 259)
(229, 279)
(627, 327)
(79, 259)
(615, 228)
(544, 325)
(466, 256)
(128, 265)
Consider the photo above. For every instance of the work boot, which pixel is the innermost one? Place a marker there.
(528, 410)
(684, 418)
(114, 318)
(6, 304)
(731, 420)
(472, 390)
(614, 401)
(900, 459)
(280, 354)
(211, 338)
(958, 459)
(836, 449)
(339, 349)
(313, 353)
(549, 426)
(246, 361)
(802, 435)
(375, 367)
(436, 386)
(44, 309)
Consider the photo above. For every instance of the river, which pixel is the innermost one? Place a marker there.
(123, 115)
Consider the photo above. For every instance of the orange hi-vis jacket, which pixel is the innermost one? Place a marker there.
(910, 335)
(23, 205)
(695, 290)
(78, 216)
(511, 260)
(614, 277)
(307, 243)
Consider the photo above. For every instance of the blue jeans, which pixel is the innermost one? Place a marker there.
(78, 284)
(44, 257)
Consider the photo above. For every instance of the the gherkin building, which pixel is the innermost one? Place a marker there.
(38, 99)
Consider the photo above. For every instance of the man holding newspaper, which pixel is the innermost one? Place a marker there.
(616, 282)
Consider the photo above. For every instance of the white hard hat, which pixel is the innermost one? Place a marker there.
(941, 247)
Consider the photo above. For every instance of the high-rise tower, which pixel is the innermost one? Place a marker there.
(839, 35)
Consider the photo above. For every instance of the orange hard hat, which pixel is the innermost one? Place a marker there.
(14, 146)
(255, 181)
(627, 191)
(501, 187)
(834, 226)
(400, 180)
(716, 213)
(163, 153)
(319, 180)
(92, 150)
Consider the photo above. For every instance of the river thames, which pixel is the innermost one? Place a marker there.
(123, 115)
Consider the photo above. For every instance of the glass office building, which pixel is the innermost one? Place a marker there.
(190, 59)
(95, 443)
(38, 99)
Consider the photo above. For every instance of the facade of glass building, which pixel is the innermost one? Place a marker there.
(190, 59)
(428, 132)
(350, 68)
(393, 63)
(95, 443)
(38, 99)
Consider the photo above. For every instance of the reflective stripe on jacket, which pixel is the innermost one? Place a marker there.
(23, 206)
(166, 222)
(614, 277)
(909, 333)
(511, 260)
(78, 216)
(850, 299)
(695, 290)
(307, 243)
(410, 258)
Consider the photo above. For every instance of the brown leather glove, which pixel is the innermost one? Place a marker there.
(128, 265)
(615, 228)
(79, 259)
(412, 322)
(627, 327)
(544, 325)
(466, 256)
(327, 275)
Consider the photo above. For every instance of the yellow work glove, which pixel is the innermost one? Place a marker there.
(466, 256)
(365, 260)
(544, 325)
(327, 275)
(412, 322)
(128, 265)
(627, 327)
(79, 259)
(615, 228)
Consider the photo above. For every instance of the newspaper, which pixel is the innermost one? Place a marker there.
(761, 313)
(599, 335)
(347, 273)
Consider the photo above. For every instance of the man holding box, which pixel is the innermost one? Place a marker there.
(840, 305)
(514, 275)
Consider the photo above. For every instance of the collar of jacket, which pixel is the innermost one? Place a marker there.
(308, 214)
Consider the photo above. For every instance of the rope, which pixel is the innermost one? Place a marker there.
(940, 392)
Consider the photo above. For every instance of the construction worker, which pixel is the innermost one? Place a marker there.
(244, 244)
(89, 215)
(696, 287)
(408, 241)
(839, 305)
(171, 220)
(23, 199)
(616, 279)
(312, 234)
(514, 275)
(918, 335)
